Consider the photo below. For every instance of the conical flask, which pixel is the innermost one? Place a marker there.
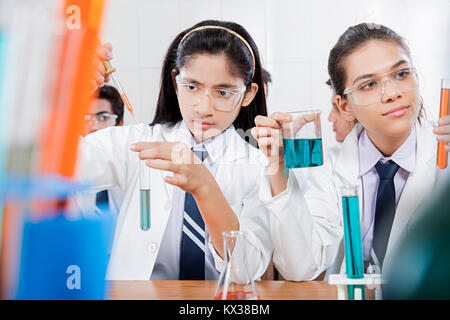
(234, 281)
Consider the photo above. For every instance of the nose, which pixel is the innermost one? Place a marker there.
(331, 116)
(391, 92)
(204, 106)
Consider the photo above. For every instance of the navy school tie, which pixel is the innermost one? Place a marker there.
(101, 198)
(385, 208)
(193, 242)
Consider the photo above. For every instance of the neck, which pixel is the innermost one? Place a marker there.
(387, 145)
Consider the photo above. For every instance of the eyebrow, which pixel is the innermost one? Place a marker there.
(221, 85)
(370, 75)
(102, 112)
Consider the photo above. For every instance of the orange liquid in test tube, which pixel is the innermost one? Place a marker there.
(442, 155)
(127, 103)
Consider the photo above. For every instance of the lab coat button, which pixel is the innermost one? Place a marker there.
(152, 247)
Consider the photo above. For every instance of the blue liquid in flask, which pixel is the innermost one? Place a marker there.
(145, 209)
(302, 153)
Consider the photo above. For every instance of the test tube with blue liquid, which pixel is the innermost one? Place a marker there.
(144, 171)
(352, 239)
(302, 140)
(144, 193)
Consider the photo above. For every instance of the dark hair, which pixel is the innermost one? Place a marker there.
(267, 78)
(328, 83)
(111, 94)
(353, 38)
(212, 41)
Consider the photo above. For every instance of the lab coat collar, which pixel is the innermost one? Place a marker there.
(226, 146)
(369, 155)
(347, 163)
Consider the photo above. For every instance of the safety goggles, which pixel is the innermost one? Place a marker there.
(101, 120)
(222, 99)
(371, 90)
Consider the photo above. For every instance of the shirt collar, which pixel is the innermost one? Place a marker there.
(369, 155)
(215, 146)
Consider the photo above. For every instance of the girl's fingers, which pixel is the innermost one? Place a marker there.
(264, 132)
(176, 180)
(444, 121)
(104, 52)
(442, 129)
(262, 121)
(139, 146)
(175, 151)
(99, 78)
(164, 165)
(444, 138)
(281, 116)
(268, 142)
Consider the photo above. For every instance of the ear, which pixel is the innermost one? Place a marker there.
(250, 94)
(173, 74)
(344, 108)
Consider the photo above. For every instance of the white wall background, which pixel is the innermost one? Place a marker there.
(294, 39)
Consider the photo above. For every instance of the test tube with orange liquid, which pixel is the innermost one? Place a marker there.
(110, 71)
(442, 155)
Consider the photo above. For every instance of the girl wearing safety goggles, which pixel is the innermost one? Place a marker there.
(390, 155)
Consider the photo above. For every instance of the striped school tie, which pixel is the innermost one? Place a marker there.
(193, 242)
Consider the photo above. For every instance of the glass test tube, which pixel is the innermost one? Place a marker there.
(144, 185)
(442, 155)
(352, 238)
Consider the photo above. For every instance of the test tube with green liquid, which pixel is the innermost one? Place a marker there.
(352, 238)
(144, 194)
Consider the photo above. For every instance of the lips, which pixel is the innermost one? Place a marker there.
(396, 112)
(203, 124)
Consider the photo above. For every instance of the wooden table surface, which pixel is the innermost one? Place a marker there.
(204, 290)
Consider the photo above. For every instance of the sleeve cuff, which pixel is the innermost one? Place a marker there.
(282, 199)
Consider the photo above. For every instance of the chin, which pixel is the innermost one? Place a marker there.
(399, 129)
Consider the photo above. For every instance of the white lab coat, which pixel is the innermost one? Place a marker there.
(106, 161)
(305, 234)
(419, 186)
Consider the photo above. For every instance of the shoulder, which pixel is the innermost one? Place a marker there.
(348, 147)
(117, 134)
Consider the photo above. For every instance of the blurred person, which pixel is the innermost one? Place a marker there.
(106, 110)
(341, 126)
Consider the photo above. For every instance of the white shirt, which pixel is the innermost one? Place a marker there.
(369, 155)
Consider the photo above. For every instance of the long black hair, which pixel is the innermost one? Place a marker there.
(212, 41)
(352, 39)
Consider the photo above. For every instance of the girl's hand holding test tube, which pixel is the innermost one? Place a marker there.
(189, 172)
(442, 131)
(191, 175)
(103, 52)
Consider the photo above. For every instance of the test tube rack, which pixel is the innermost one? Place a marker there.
(372, 281)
